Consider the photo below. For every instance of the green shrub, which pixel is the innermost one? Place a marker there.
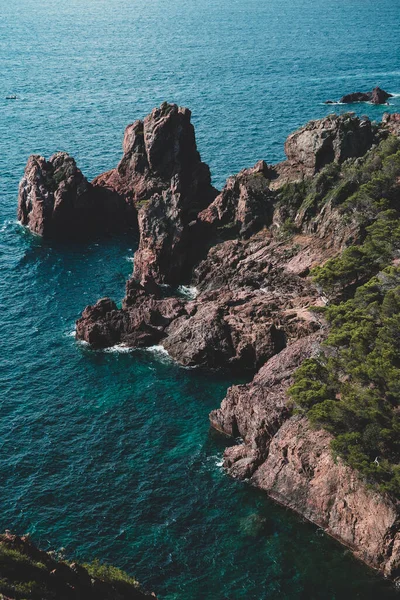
(353, 388)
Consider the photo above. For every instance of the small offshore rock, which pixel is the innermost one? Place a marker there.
(376, 96)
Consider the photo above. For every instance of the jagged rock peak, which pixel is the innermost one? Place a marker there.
(157, 149)
(170, 185)
(164, 142)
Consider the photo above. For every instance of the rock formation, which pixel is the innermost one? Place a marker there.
(56, 201)
(376, 96)
(255, 245)
(160, 176)
(392, 123)
(255, 277)
(161, 173)
(27, 572)
(245, 204)
(332, 139)
(293, 463)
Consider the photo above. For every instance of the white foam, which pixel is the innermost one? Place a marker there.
(7, 224)
(188, 291)
(157, 350)
(82, 343)
(129, 258)
(119, 349)
(71, 333)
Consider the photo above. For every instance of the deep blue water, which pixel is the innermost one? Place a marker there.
(109, 455)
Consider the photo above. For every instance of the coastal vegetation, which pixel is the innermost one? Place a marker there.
(27, 572)
(352, 388)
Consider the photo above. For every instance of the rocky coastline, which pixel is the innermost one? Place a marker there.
(249, 251)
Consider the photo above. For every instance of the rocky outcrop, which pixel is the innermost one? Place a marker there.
(161, 173)
(301, 473)
(251, 310)
(332, 139)
(240, 283)
(141, 322)
(245, 204)
(56, 201)
(281, 454)
(256, 411)
(257, 277)
(160, 176)
(27, 572)
(376, 96)
(392, 123)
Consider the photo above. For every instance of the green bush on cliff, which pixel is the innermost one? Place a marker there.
(361, 187)
(109, 574)
(356, 263)
(353, 388)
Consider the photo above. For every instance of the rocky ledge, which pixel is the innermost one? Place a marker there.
(27, 572)
(248, 254)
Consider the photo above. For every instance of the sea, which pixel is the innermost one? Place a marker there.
(109, 454)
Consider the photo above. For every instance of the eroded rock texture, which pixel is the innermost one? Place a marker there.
(252, 293)
(245, 204)
(332, 139)
(392, 123)
(56, 200)
(161, 173)
(160, 182)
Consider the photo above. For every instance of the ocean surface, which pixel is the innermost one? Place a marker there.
(109, 454)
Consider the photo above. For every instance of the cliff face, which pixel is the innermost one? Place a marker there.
(281, 454)
(27, 572)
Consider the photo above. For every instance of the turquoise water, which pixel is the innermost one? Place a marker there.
(109, 454)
